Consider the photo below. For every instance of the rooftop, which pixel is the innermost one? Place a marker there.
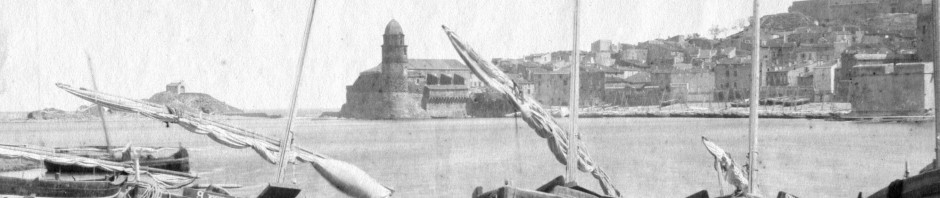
(641, 77)
(393, 28)
(427, 64)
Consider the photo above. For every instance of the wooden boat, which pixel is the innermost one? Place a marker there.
(741, 103)
(926, 184)
(174, 159)
(766, 101)
(553, 189)
(19, 187)
(104, 185)
(668, 102)
(789, 102)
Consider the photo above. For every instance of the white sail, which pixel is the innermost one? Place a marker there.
(532, 112)
(732, 173)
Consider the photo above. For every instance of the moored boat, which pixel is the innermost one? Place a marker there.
(789, 102)
(553, 189)
(926, 184)
(741, 103)
(167, 158)
(37, 187)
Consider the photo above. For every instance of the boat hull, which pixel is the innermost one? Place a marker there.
(176, 161)
(18, 187)
(923, 185)
(553, 189)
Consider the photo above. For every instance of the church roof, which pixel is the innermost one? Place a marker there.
(427, 64)
(393, 28)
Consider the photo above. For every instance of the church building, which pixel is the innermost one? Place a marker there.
(403, 88)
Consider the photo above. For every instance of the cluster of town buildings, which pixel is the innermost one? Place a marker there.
(814, 55)
(824, 58)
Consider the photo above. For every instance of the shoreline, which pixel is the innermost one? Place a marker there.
(822, 111)
(827, 111)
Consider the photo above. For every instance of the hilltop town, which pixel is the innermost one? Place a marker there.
(866, 53)
(852, 51)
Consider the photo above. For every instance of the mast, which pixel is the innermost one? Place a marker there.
(755, 97)
(572, 163)
(288, 134)
(104, 122)
(935, 5)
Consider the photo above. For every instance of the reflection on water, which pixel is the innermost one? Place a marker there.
(645, 157)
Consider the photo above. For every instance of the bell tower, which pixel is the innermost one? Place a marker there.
(394, 50)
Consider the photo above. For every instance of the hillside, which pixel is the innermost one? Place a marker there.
(194, 101)
(786, 21)
(892, 22)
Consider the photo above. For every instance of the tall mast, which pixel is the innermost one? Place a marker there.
(104, 123)
(288, 134)
(574, 80)
(755, 96)
(935, 5)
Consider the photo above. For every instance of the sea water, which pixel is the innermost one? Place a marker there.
(645, 157)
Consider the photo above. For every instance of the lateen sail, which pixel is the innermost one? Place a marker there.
(532, 111)
(346, 177)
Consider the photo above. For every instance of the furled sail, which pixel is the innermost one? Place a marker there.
(169, 179)
(346, 177)
(725, 164)
(532, 112)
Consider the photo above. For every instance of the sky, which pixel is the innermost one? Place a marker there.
(245, 52)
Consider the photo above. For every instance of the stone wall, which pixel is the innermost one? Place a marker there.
(447, 110)
(902, 89)
(377, 96)
(489, 103)
(446, 101)
(634, 97)
(700, 85)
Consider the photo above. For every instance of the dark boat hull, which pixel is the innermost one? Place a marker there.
(180, 165)
(178, 161)
(923, 185)
(16, 187)
(553, 189)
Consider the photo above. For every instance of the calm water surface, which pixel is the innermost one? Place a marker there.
(645, 157)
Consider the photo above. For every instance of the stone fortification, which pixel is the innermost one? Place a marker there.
(378, 96)
(403, 88)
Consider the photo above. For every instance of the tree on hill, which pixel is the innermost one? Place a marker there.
(716, 31)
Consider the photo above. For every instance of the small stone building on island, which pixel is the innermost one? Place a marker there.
(403, 88)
